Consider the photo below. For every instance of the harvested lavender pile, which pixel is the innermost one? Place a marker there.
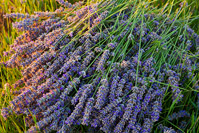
(107, 65)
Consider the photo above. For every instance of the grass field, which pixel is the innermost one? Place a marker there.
(15, 124)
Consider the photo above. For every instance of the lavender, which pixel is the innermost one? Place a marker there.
(103, 60)
(5, 112)
(181, 113)
(120, 86)
(166, 129)
(102, 94)
(119, 127)
(147, 125)
(75, 73)
(114, 83)
(80, 105)
(157, 108)
(17, 15)
(110, 106)
(88, 111)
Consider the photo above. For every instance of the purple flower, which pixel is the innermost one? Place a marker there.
(180, 114)
(87, 111)
(119, 127)
(102, 61)
(101, 96)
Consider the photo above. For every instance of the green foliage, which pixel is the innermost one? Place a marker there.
(191, 5)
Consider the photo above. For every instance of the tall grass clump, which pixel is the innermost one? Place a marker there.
(114, 66)
(192, 7)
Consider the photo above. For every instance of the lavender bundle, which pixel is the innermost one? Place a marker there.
(93, 79)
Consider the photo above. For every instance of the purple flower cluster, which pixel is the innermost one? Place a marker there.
(17, 15)
(166, 129)
(71, 79)
(179, 114)
(69, 5)
(111, 111)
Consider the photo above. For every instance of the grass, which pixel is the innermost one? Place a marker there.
(186, 15)
(193, 9)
